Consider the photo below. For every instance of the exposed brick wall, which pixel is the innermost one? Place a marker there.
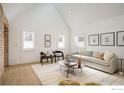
(1, 43)
(1, 53)
(6, 34)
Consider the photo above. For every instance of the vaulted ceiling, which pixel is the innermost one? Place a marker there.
(74, 14)
(84, 14)
(13, 10)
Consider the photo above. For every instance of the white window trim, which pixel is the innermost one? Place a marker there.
(77, 42)
(64, 42)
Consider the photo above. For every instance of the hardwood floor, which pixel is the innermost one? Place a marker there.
(25, 75)
(20, 75)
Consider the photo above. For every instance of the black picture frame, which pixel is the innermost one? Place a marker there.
(109, 39)
(47, 44)
(94, 42)
(47, 37)
(47, 40)
(119, 35)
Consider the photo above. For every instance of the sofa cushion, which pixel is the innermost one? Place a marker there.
(76, 55)
(58, 54)
(80, 52)
(91, 59)
(108, 55)
(94, 60)
(85, 53)
(94, 53)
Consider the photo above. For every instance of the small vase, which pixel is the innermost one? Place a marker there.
(79, 63)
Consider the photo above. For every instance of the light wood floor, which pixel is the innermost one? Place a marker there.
(20, 75)
(50, 74)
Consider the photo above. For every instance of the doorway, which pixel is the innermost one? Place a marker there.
(6, 44)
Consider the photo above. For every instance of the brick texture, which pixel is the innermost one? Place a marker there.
(1, 43)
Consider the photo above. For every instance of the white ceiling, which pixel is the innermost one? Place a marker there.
(74, 14)
(12, 10)
(82, 14)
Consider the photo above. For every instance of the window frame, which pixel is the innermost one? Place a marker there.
(63, 41)
(33, 40)
(76, 39)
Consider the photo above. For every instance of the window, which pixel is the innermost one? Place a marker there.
(61, 41)
(28, 40)
(79, 42)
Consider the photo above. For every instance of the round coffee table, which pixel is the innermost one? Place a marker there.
(66, 64)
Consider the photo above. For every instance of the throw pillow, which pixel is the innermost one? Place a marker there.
(99, 55)
(108, 55)
(94, 53)
(80, 52)
(87, 53)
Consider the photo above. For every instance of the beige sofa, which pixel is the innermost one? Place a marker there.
(109, 66)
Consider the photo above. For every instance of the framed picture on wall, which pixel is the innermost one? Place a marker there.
(47, 37)
(80, 38)
(107, 39)
(47, 40)
(120, 38)
(93, 40)
(47, 44)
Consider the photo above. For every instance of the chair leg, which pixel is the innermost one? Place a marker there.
(67, 72)
(63, 57)
(41, 61)
(55, 59)
(51, 60)
(47, 59)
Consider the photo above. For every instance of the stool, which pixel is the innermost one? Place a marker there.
(91, 84)
(69, 82)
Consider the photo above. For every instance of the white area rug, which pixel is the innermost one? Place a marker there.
(50, 74)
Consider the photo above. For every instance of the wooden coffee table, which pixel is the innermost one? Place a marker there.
(68, 65)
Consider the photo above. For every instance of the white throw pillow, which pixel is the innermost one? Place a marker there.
(80, 52)
(108, 55)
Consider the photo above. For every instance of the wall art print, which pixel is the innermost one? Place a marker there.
(93, 40)
(107, 39)
(120, 38)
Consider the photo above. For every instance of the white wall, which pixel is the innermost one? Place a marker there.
(109, 25)
(41, 19)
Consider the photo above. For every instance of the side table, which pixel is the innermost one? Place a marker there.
(121, 70)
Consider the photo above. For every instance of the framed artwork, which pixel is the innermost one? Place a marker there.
(107, 39)
(93, 40)
(47, 37)
(120, 38)
(47, 44)
(80, 38)
(47, 40)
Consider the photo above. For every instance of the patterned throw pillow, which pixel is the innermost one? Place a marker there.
(108, 55)
(99, 55)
